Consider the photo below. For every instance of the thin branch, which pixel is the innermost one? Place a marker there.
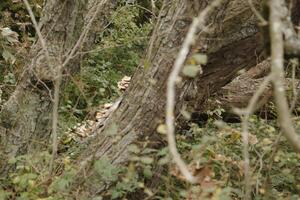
(295, 64)
(42, 41)
(83, 34)
(247, 173)
(257, 14)
(37, 29)
(253, 101)
(100, 49)
(147, 10)
(57, 84)
(277, 60)
(153, 6)
(198, 22)
(245, 115)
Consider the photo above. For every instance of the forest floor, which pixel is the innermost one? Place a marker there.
(214, 148)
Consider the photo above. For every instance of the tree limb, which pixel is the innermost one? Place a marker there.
(277, 71)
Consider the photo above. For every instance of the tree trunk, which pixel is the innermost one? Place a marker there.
(231, 43)
(26, 117)
(237, 94)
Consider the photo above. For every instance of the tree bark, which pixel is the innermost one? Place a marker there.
(237, 93)
(232, 43)
(26, 117)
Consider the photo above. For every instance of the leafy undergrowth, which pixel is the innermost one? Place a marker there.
(214, 151)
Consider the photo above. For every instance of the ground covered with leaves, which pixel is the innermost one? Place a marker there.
(214, 151)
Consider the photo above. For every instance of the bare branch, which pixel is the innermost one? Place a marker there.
(277, 60)
(245, 115)
(37, 29)
(57, 84)
(198, 22)
(257, 14)
(84, 33)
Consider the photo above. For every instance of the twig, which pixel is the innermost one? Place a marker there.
(83, 35)
(100, 49)
(153, 6)
(275, 145)
(257, 14)
(198, 22)
(37, 29)
(245, 115)
(245, 136)
(57, 84)
(295, 64)
(42, 41)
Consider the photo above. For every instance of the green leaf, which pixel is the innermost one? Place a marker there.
(116, 194)
(147, 160)
(149, 151)
(163, 151)
(4, 194)
(147, 172)
(9, 79)
(200, 58)
(134, 149)
(163, 161)
(191, 70)
(162, 129)
(12, 160)
(106, 170)
(225, 194)
(63, 183)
